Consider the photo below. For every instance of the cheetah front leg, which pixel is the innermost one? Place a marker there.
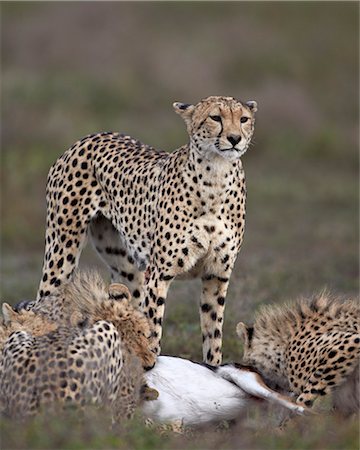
(154, 304)
(326, 377)
(212, 307)
(316, 387)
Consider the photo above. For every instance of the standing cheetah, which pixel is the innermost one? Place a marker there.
(310, 347)
(152, 215)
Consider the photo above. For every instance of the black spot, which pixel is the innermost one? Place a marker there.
(329, 377)
(217, 333)
(223, 280)
(206, 307)
(166, 277)
(225, 259)
(60, 263)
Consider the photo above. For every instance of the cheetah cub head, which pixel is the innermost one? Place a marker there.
(27, 321)
(219, 126)
(263, 352)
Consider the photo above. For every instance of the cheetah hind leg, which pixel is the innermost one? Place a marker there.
(111, 249)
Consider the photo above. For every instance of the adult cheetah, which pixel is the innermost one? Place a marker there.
(152, 215)
(95, 352)
(310, 347)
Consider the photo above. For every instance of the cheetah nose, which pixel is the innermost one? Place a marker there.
(234, 139)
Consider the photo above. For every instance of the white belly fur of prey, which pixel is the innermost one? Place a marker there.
(196, 394)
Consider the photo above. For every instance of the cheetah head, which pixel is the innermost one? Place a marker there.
(262, 353)
(131, 323)
(219, 125)
(34, 324)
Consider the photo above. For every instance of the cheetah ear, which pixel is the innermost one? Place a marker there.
(252, 105)
(118, 291)
(185, 110)
(77, 319)
(8, 313)
(245, 333)
(147, 393)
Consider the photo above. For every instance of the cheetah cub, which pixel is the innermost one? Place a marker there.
(310, 347)
(154, 216)
(86, 299)
(97, 357)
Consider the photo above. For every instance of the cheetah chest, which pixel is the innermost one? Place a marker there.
(210, 246)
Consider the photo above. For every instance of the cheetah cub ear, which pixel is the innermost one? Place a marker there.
(8, 313)
(185, 110)
(118, 291)
(245, 333)
(252, 105)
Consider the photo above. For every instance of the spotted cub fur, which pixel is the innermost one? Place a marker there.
(86, 299)
(154, 216)
(310, 347)
(97, 357)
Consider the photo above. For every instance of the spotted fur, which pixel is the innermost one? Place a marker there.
(94, 353)
(86, 299)
(154, 216)
(310, 347)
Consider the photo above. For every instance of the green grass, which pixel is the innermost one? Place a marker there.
(92, 430)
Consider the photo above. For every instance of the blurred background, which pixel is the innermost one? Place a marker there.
(73, 68)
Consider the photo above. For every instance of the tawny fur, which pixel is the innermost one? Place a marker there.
(87, 298)
(94, 352)
(12, 321)
(310, 346)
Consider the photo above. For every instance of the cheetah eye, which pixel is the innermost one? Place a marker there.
(244, 119)
(216, 118)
